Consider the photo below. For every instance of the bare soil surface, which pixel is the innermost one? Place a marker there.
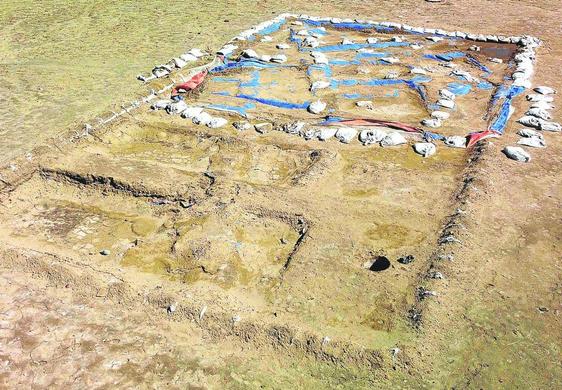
(241, 260)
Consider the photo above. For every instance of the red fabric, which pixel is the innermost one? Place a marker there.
(190, 84)
(377, 122)
(473, 138)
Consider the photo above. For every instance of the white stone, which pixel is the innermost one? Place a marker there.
(545, 90)
(418, 70)
(249, 53)
(539, 113)
(346, 134)
(390, 60)
(533, 97)
(371, 136)
(516, 153)
(364, 104)
(550, 126)
(433, 123)
(283, 46)
(202, 118)
(455, 141)
(446, 94)
(321, 84)
(426, 149)
(279, 58)
(534, 142)
(191, 112)
(393, 139)
(217, 122)
(317, 107)
(326, 133)
(446, 103)
(440, 115)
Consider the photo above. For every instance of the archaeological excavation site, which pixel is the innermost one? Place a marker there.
(321, 202)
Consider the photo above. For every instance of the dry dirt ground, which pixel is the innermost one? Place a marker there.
(300, 310)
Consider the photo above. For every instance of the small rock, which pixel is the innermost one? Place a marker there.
(543, 309)
(516, 153)
(426, 149)
(105, 252)
(406, 259)
(436, 275)
(365, 103)
(263, 128)
(202, 312)
(185, 204)
(545, 90)
(317, 107)
(241, 126)
(172, 308)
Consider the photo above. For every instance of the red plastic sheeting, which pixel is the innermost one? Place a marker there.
(473, 138)
(377, 122)
(190, 84)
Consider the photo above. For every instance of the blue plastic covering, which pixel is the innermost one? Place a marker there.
(429, 135)
(356, 96)
(226, 79)
(317, 31)
(271, 29)
(274, 102)
(356, 46)
(338, 62)
(323, 67)
(254, 81)
(484, 85)
(500, 120)
(459, 88)
(445, 57)
(331, 119)
(478, 64)
(360, 56)
(237, 109)
(247, 63)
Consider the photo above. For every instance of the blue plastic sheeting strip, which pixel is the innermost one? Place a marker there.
(225, 79)
(459, 88)
(370, 55)
(356, 46)
(271, 29)
(318, 31)
(435, 136)
(249, 63)
(239, 110)
(478, 64)
(356, 96)
(338, 62)
(254, 81)
(274, 103)
(501, 119)
(331, 119)
(323, 67)
(484, 85)
(445, 57)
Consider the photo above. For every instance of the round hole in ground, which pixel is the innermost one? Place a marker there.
(380, 264)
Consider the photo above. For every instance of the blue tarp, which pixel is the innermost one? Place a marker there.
(356, 46)
(459, 88)
(478, 64)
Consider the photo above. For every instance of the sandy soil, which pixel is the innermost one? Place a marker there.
(74, 318)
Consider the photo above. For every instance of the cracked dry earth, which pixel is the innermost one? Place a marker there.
(240, 260)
